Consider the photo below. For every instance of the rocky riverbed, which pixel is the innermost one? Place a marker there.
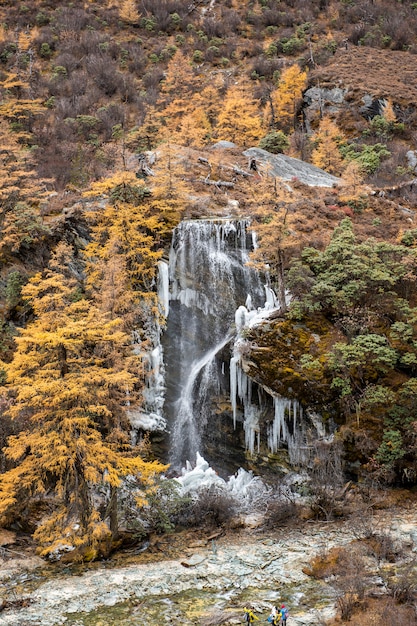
(206, 581)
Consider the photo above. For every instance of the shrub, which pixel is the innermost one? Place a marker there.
(326, 479)
(263, 67)
(275, 142)
(403, 586)
(71, 19)
(213, 507)
(279, 512)
(391, 448)
(14, 284)
(382, 547)
(290, 45)
(198, 56)
(45, 50)
(105, 74)
(369, 156)
(165, 507)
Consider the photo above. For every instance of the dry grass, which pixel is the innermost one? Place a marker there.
(381, 73)
(380, 612)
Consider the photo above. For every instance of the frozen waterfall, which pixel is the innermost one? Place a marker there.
(211, 406)
(209, 280)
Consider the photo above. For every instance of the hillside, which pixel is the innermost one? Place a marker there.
(121, 120)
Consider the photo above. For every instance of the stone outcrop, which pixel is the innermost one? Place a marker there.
(288, 168)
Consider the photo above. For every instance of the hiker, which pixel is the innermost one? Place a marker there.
(275, 616)
(284, 615)
(250, 616)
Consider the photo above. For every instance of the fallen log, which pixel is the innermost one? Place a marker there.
(218, 183)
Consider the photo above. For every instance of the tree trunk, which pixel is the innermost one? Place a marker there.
(281, 282)
(62, 358)
(113, 519)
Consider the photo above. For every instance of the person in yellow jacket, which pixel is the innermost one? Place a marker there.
(250, 616)
(275, 617)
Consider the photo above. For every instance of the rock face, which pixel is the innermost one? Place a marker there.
(412, 159)
(288, 168)
(320, 101)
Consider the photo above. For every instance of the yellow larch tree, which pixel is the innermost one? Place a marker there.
(352, 187)
(18, 179)
(127, 239)
(286, 98)
(211, 101)
(177, 94)
(15, 105)
(169, 190)
(388, 112)
(148, 135)
(194, 129)
(69, 377)
(326, 154)
(128, 12)
(270, 201)
(21, 194)
(239, 120)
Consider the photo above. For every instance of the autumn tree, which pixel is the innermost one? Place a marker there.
(21, 195)
(128, 12)
(388, 112)
(211, 101)
(19, 181)
(177, 94)
(194, 129)
(149, 134)
(21, 229)
(17, 107)
(69, 378)
(239, 120)
(286, 98)
(126, 242)
(169, 190)
(352, 189)
(326, 154)
(273, 215)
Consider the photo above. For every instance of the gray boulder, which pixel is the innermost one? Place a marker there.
(288, 168)
(412, 159)
(224, 145)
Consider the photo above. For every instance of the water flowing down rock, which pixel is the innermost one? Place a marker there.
(209, 281)
(211, 404)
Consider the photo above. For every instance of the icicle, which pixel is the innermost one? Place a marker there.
(240, 317)
(251, 427)
(248, 302)
(233, 386)
(163, 287)
(271, 299)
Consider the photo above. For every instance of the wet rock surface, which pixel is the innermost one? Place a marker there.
(200, 582)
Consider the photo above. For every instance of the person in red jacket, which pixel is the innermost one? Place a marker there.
(284, 615)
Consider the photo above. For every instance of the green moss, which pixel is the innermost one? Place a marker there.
(278, 359)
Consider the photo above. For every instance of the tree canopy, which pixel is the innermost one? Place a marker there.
(69, 377)
(366, 289)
